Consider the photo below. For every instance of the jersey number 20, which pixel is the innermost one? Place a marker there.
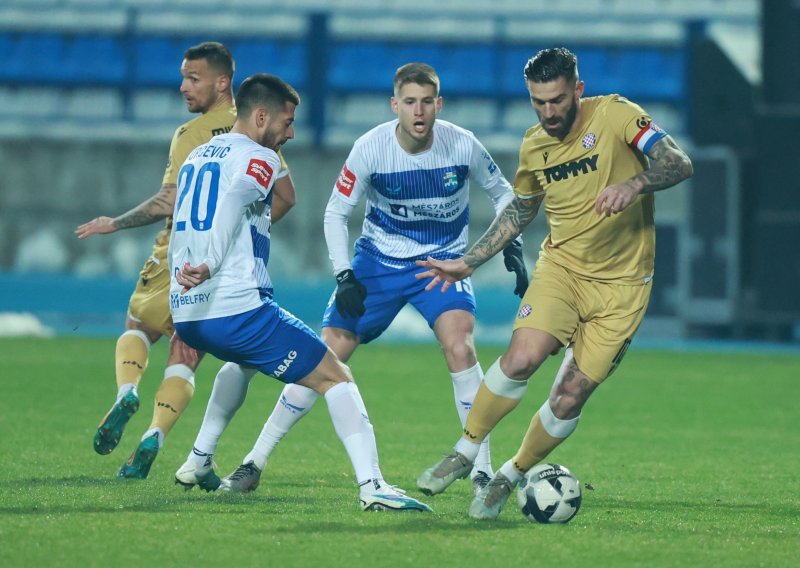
(204, 186)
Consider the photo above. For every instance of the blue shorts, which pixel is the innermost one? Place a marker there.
(268, 338)
(388, 290)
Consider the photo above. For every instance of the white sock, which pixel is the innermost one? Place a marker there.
(353, 428)
(465, 386)
(158, 432)
(468, 449)
(124, 389)
(294, 403)
(228, 394)
(510, 472)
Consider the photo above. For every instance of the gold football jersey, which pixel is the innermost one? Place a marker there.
(606, 148)
(187, 137)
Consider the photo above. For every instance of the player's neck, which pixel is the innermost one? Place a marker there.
(576, 124)
(224, 101)
(411, 145)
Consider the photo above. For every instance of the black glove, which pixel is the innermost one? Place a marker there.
(512, 257)
(350, 294)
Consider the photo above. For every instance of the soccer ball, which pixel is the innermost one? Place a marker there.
(549, 493)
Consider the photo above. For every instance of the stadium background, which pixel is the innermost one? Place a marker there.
(89, 100)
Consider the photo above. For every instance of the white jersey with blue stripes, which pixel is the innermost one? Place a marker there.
(222, 219)
(417, 204)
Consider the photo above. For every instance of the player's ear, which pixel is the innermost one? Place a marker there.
(579, 88)
(223, 84)
(393, 104)
(439, 103)
(261, 115)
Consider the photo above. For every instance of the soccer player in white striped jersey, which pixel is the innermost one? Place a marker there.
(218, 260)
(414, 173)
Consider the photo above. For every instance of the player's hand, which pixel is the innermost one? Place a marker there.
(350, 294)
(190, 276)
(515, 262)
(614, 199)
(98, 226)
(443, 271)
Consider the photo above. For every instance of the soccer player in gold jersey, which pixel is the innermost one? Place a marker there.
(595, 164)
(207, 70)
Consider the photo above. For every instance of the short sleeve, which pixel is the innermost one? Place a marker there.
(183, 142)
(633, 123)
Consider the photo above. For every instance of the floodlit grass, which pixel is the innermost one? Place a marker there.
(693, 458)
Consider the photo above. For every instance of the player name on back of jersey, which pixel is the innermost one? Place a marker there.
(209, 151)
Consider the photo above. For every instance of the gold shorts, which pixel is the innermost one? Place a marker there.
(149, 303)
(598, 318)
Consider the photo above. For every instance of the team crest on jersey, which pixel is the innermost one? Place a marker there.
(260, 170)
(346, 181)
(524, 311)
(589, 140)
(450, 181)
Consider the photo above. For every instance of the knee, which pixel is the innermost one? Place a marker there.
(520, 365)
(460, 354)
(181, 353)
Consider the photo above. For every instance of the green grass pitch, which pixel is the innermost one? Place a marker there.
(694, 459)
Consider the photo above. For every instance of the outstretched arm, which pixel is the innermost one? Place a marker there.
(156, 208)
(669, 165)
(504, 229)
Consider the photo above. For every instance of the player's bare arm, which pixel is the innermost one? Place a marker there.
(504, 229)
(283, 197)
(156, 208)
(669, 165)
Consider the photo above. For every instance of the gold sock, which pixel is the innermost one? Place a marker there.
(172, 398)
(536, 445)
(487, 410)
(131, 358)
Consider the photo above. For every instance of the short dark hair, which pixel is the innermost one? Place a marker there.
(550, 64)
(263, 89)
(419, 73)
(216, 55)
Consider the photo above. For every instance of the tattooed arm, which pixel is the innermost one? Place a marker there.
(669, 165)
(504, 229)
(159, 206)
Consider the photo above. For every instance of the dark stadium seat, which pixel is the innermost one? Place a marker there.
(158, 61)
(95, 60)
(35, 58)
(468, 70)
(372, 60)
(284, 59)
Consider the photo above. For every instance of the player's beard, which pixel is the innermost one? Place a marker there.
(201, 105)
(566, 122)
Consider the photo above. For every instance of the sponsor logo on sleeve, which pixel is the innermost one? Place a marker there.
(346, 181)
(260, 170)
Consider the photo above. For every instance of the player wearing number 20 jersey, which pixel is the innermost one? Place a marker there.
(220, 181)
